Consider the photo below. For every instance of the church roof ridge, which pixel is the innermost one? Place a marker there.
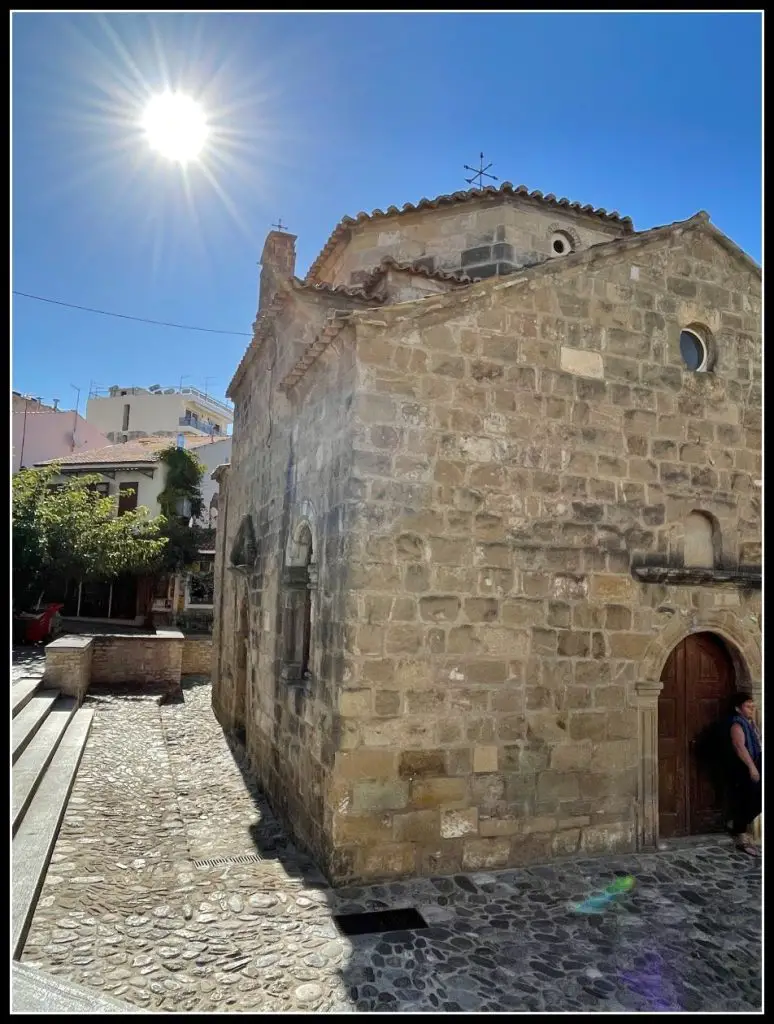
(463, 196)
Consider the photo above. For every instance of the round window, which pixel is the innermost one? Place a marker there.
(693, 349)
(561, 244)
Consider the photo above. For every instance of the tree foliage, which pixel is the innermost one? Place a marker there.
(183, 484)
(181, 502)
(73, 532)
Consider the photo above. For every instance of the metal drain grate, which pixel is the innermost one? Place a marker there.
(246, 858)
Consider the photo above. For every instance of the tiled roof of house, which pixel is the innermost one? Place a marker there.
(130, 453)
(506, 189)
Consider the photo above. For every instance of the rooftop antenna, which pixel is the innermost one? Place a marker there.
(479, 172)
(279, 225)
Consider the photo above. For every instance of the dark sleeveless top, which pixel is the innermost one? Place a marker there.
(751, 737)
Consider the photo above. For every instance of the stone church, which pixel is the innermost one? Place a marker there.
(489, 551)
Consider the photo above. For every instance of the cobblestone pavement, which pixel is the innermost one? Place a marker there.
(126, 909)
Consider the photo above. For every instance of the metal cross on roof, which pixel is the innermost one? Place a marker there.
(480, 172)
(279, 225)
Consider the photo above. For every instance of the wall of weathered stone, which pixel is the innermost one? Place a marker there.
(197, 656)
(482, 238)
(290, 463)
(517, 448)
(155, 658)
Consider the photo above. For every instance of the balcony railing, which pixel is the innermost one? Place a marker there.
(197, 424)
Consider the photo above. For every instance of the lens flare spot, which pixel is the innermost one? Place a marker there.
(599, 901)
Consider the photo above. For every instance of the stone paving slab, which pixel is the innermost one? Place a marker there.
(125, 911)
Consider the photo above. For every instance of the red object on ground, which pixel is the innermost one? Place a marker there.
(37, 627)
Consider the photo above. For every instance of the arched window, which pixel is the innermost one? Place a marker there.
(299, 581)
(702, 541)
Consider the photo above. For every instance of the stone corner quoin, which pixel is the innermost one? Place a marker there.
(438, 652)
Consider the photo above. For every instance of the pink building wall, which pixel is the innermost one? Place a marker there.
(49, 435)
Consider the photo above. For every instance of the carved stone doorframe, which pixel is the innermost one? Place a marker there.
(743, 645)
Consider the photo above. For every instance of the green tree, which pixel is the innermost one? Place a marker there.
(72, 532)
(181, 501)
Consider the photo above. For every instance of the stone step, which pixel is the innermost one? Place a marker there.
(23, 691)
(33, 843)
(29, 769)
(30, 719)
(35, 991)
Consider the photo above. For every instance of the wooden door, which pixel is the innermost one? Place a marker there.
(698, 680)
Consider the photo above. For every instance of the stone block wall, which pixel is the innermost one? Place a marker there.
(153, 658)
(289, 468)
(518, 448)
(197, 656)
(492, 236)
(68, 665)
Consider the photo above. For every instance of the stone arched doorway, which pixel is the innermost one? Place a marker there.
(698, 680)
(741, 636)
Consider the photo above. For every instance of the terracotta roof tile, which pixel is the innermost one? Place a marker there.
(506, 189)
(364, 291)
(418, 268)
(322, 288)
(313, 351)
(129, 453)
(145, 449)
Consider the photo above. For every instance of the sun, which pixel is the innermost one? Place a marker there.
(175, 126)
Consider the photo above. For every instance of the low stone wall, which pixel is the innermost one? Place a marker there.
(74, 662)
(150, 658)
(197, 656)
(68, 665)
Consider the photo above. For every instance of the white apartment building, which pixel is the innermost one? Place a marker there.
(125, 414)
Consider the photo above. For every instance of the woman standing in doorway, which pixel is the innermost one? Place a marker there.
(745, 772)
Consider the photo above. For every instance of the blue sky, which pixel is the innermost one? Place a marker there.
(317, 116)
